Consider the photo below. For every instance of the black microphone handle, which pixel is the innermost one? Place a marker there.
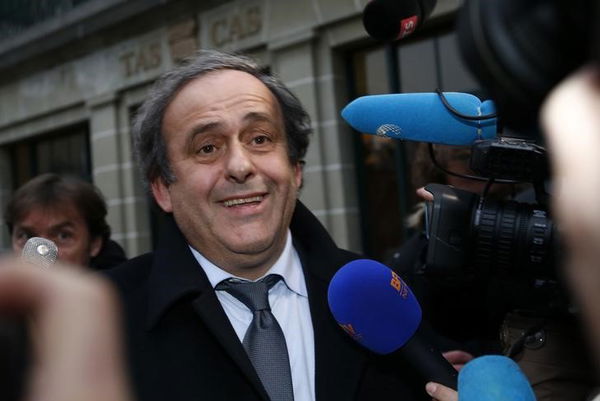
(428, 361)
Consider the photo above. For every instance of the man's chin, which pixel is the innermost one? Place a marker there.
(251, 248)
(257, 247)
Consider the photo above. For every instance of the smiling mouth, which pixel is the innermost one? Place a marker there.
(242, 201)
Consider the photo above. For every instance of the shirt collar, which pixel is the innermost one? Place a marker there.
(287, 265)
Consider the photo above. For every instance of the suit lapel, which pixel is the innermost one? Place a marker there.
(176, 274)
(208, 307)
(338, 365)
(339, 362)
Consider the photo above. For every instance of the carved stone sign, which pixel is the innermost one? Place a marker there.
(227, 27)
(145, 57)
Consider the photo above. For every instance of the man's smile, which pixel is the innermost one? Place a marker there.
(243, 201)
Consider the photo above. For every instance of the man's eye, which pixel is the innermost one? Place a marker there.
(261, 139)
(64, 235)
(207, 149)
(22, 236)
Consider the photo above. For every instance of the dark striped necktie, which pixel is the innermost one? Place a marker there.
(264, 340)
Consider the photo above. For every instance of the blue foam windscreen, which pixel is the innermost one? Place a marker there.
(373, 305)
(422, 117)
(493, 378)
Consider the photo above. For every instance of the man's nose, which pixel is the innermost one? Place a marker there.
(240, 165)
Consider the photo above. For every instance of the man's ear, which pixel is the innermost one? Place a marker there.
(95, 246)
(161, 193)
(298, 174)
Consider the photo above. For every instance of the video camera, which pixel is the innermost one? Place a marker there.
(518, 50)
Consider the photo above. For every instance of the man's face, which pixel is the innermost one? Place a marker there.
(235, 188)
(459, 166)
(62, 224)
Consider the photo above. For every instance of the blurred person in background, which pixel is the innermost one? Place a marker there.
(70, 212)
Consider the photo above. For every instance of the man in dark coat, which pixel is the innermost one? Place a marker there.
(221, 145)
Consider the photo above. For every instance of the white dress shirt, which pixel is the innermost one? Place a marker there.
(289, 303)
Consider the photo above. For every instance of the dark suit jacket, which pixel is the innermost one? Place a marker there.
(181, 345)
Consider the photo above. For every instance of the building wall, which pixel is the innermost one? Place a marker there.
(301, 41)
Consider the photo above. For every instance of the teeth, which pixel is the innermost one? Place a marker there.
(234, 202)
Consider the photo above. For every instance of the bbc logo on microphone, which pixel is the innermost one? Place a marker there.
(397, 283)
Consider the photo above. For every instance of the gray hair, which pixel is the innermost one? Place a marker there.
(149, 144)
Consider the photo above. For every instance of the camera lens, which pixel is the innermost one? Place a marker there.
(512, 238)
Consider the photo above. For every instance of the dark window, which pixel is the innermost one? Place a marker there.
(64, 152)
(18, 15)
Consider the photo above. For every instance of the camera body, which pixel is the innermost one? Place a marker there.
(489, 235)
(472, 238)
(518, 50)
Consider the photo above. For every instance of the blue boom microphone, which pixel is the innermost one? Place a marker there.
(376, 308)
(493, 378)
(422, 117)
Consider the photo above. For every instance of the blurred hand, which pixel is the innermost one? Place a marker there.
(439, 392)
(77, 349)
(424, 194)
(571, 121)
(457, 358)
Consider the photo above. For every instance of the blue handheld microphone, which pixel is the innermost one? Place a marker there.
(376, 308)
(422, 117)
(493, 378)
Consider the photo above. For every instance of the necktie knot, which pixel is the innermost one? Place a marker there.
(253, 294)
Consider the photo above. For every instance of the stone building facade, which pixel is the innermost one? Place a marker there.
(69, 86)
